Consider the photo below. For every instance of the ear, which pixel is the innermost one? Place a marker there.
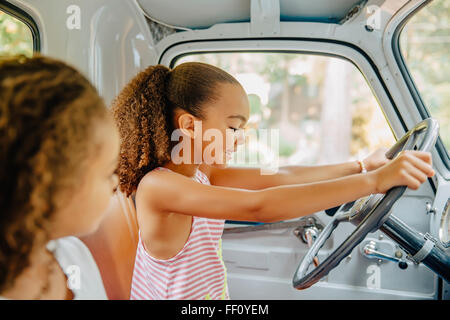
(186, 123)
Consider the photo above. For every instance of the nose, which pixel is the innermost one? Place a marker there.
(235, 139)
(240, 137)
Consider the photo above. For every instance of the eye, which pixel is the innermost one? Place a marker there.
(234, 129)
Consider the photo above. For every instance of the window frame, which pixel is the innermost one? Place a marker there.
(188, 47)
(25, 18)
(410, 84)
(190, 50)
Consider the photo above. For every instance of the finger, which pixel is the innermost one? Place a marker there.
(410, 181)
(420, 164)
(416, 173)
(425, 156)
(413, 183)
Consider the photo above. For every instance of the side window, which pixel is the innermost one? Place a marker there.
(321, 107)
(15, 36)
(425, 47)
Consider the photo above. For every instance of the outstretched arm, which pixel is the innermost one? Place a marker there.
(252, 179)
(168, 192)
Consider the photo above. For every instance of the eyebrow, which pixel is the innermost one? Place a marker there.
(238, 116)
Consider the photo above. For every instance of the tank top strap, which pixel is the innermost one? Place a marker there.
(199, 175)
(202, 177)
(162, 169)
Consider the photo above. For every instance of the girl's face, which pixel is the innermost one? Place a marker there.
(227, 115)
(79, 212)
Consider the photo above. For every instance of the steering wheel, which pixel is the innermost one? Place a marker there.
(367, 213)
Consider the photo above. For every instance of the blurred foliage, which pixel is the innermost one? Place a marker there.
(425, 45)
(15, 36)
(286, 149)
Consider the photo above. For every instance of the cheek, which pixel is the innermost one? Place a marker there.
(96, 201)
(223, 138)
(219, 142)
(100, 198)
(81, 212)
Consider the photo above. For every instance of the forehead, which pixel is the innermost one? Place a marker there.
(231, 100)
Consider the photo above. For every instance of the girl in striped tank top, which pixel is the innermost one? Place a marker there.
(178, 129)
(195, 272)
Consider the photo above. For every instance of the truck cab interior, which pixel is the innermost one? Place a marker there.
(338, 78)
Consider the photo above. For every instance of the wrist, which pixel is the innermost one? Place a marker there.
(362, 166)
(371, 179)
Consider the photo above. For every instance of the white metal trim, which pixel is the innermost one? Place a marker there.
(413, 115)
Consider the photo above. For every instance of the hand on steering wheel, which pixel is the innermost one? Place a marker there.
(369, 213)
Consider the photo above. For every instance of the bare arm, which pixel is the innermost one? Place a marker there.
(168, 192)
(252, 179)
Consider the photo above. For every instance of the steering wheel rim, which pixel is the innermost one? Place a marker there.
(375, 218)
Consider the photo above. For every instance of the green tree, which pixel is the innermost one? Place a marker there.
(15, 36)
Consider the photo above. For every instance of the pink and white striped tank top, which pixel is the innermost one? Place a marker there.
(196, 272)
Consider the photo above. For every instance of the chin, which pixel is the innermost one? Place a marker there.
(220, 166)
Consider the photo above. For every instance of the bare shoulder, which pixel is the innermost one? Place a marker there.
(158, 188)
(155, 178)
(155, 185)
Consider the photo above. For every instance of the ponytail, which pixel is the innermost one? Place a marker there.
(140, 111)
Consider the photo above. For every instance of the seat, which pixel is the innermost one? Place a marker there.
(114, 244)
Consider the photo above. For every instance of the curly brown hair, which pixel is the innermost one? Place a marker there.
(47, 112)
(144, 111)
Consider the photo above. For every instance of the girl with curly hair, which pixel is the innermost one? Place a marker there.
(58, 152)
(182, 199)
